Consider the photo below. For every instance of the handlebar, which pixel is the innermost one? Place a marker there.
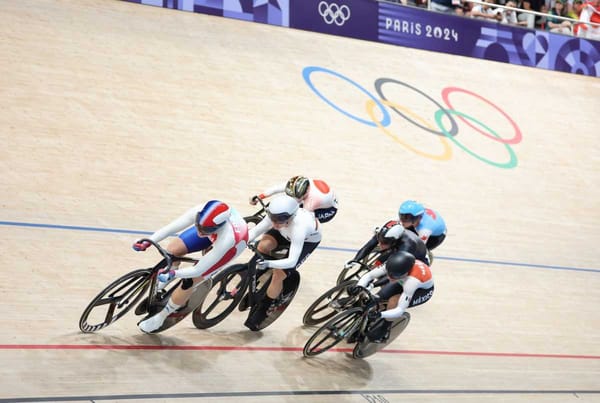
(168, 257)
(253, 248)
(258, 199)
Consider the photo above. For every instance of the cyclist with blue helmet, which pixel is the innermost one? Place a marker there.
(217, 230)
(286, 225)
(313, 195)
(427, 223)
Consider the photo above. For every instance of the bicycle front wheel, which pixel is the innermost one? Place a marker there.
(352, 274)
(115, 300)
(331, 333)
(330, 303)
(227, 290)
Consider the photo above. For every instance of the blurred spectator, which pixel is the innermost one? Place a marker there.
(465, 9)
(575, 10)
(526, 19)
(509, 16)
(574, 13)
(444, 6)
(540, 21)
(590, 13)
(485, 11)
(555, 24)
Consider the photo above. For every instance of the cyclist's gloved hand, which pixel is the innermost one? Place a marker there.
(254, 200)
(166, 276)
(374, 315)
(354, 290)
(349, 264)
(141, 246)
(262, 264)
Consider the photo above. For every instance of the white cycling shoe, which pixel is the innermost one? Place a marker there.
(154, 323)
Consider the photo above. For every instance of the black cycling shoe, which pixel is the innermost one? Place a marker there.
(380, 333)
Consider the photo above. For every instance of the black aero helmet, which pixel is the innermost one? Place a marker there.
(390, 232)
(399, 264)
(297, 187)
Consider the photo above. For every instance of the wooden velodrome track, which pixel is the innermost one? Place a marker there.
(117, 117)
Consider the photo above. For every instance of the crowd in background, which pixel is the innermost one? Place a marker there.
(582, 11)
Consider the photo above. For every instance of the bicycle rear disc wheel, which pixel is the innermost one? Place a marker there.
(322, 309)
(229, 286)
(290, 287)
(333, 332)
(115, 300)
(367, 348)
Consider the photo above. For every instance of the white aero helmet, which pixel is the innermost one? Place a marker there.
(282, 209)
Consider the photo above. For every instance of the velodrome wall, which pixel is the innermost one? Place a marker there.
(410, 27)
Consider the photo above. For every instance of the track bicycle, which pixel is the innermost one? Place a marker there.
(353, 325)
(336, 299)
(129, 290)
(359, 268)
(244, 286)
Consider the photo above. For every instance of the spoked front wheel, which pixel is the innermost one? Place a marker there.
(115, 300)
(228, 287)
(330, 303)
(353, 273)
(331, 333)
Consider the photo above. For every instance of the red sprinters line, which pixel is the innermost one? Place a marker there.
(275, 349)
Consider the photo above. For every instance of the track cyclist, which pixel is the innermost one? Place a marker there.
(286, 224)
(427, 223)
(313, 195)
(218, 230)
(411, 284)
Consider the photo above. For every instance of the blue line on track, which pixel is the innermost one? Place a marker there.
(129, 231)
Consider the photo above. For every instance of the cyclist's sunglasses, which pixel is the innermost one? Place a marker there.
(281, 218)
(407, 217)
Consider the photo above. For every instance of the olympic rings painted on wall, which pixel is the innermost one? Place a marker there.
(419, 121)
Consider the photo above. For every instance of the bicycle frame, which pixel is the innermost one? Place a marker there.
(166, 263)
(369, 303)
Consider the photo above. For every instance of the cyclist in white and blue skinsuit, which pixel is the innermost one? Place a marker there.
(427, 223)
(285, 225)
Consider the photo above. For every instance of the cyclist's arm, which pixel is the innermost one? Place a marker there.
(212, 258)
(177, 225)
(424, 234)
(374, 274)
(280, 188)
(366, 249)
(410, 286)
(263, 226)
(296, 244)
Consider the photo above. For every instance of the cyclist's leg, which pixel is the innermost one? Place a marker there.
(268, 242)
(279, 275)
(276, 286)
(187, 242)
(380, 332)
(434, 241)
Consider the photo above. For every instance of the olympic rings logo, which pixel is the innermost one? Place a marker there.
(447, 112)
(334, 13)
